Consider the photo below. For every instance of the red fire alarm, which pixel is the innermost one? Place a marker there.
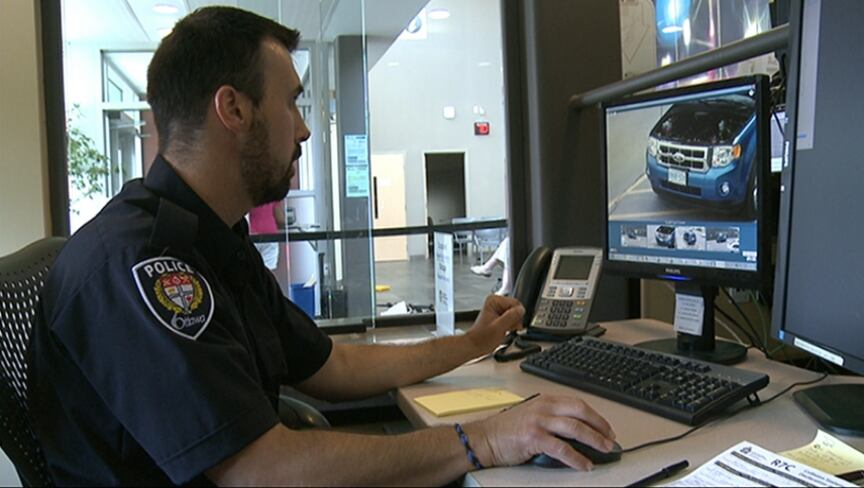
(481, 128)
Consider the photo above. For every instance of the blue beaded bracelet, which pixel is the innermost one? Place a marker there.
(463, 438)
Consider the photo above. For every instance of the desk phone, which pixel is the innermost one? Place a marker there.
(564, 302)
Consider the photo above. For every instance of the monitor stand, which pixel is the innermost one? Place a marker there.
(836, 407)
(703, 347)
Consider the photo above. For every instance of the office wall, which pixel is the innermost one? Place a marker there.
(406, 104)
(24, 208)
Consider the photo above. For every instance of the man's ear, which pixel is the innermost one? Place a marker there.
(233, 108)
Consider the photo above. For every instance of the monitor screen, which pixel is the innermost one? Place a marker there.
(682, 178)
(820, 265)
(574, 268)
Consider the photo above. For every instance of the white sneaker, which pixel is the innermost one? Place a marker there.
(480, 270)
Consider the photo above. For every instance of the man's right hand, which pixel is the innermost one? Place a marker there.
(515, 435)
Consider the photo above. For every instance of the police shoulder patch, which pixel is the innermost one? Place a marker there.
(177, 294)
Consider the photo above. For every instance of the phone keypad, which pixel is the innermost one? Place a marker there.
(560, 313)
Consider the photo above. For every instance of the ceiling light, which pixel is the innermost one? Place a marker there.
(671, 29)
(164, 8)
(439, 14)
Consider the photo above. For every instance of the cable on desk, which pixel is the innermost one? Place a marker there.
(752, 403)
(793, 385)
(741, 312)
(766, 325)
(734, 322)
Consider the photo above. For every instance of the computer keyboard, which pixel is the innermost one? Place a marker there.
(675, 387)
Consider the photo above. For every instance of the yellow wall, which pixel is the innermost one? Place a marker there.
(24, 207)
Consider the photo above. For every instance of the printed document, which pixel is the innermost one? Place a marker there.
(747, 464)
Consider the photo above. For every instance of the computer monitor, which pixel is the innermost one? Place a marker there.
(819, 283)
(686, 202)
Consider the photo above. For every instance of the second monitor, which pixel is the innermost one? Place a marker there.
(686, 201)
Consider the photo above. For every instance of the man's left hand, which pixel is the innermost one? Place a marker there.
(499, 316)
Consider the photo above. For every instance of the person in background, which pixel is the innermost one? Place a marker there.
(501, 255)
(268, 219)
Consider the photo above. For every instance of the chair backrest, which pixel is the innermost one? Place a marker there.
(22, 276)
(489, 237)
(462, 236)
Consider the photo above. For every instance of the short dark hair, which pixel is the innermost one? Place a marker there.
(211, 47)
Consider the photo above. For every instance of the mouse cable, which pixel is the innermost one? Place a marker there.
(752, 403)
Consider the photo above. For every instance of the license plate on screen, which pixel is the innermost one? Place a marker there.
(677, 177)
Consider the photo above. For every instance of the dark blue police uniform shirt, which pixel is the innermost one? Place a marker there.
(160, 342)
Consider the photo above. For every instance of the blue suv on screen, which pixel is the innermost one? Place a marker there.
(703, 151)
(665, 236)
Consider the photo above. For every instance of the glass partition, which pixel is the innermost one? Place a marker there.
(407, 137)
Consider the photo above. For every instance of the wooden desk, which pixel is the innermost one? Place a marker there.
(778, 426)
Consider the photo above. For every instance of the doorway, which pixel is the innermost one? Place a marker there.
(445, 192)
(445, 186)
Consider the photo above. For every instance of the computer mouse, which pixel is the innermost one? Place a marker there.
(595, 456)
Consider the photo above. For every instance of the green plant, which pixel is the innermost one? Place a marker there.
(87, 166)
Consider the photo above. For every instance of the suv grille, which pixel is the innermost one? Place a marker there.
(693, 158)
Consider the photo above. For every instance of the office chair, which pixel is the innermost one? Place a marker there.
(22, 275)
(488, 240)
(462, 238)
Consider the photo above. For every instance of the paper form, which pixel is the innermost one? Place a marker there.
(747, 464)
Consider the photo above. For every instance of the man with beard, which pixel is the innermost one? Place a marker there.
(161, 339)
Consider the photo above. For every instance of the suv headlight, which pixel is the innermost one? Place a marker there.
(725, 155)
(653, 146)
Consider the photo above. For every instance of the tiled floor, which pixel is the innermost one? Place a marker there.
(414, 282)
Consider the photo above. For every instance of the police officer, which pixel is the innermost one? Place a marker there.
(162, 339)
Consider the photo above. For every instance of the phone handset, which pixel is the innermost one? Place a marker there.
(530, 280)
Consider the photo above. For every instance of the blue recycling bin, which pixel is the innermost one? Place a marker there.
(303, 297)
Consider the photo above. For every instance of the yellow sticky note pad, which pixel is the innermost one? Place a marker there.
(464, 401)
(829, 454)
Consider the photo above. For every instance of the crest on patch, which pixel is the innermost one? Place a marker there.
(176, 294)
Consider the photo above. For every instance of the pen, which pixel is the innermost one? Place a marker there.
(520, 402)
(664, 473)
